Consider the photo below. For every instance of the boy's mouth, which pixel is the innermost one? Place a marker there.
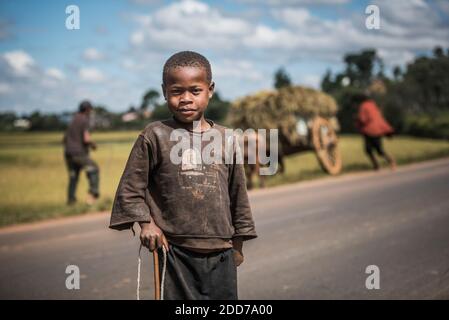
(187, 111)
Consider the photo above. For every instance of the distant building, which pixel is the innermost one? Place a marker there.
(130, 116)
(22, 123)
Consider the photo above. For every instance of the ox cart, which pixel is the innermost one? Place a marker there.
(305, 119)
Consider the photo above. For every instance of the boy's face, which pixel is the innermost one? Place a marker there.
(187, 92)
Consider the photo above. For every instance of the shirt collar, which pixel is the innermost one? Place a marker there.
(190, 127)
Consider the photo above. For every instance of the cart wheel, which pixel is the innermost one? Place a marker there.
(325, 144)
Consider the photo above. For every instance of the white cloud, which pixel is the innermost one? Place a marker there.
(280, 40)
(406, 27)
(55, 73)
(5, 88)
(297, 36)
(192, 17)
(236, 69)
(394, 58)
(137, 38)
(92, 54)
(44, 89)
(178, 26)
(20, 62)
(91, 75)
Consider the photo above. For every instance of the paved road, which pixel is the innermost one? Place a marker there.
(315, 241)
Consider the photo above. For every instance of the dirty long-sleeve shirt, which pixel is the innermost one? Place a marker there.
(198, 205)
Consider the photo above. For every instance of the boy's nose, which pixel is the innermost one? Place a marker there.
(185, 98)
(186, 95)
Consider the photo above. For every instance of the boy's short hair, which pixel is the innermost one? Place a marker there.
(187, 59)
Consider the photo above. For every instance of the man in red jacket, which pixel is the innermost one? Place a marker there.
(373, 126)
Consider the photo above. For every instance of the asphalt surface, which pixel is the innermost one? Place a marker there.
(316, 240)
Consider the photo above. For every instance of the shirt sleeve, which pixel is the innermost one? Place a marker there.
(129, 204)
(242, 219)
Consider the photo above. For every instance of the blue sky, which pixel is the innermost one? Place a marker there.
(121, 46)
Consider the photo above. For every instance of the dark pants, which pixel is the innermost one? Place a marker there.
(75, 163)
(375, 144)
(199, 276)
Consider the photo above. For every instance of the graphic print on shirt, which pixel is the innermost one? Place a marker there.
(200, 179)
(191, 160)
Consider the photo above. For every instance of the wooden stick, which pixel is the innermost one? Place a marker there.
(157, 282)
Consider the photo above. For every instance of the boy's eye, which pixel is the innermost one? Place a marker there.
(196, 91)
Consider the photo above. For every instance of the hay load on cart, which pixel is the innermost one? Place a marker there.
(306, 120)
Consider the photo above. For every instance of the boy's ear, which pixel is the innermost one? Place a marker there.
(163, 91)
(211, 89)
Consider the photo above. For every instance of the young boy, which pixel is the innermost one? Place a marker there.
(199, 212)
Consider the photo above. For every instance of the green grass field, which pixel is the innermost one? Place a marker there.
(33, 177)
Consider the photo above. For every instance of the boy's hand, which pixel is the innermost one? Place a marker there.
(238, 258)
(152, 236)
(238, 251)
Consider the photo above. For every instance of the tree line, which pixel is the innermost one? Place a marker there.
(414, 99)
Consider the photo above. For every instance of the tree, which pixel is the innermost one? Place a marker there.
(45, 122)
(149, 99)
(160, 112)
(397, 73)
(331, 84)
(217, 109)
(438, 52)
(429, 79)
(360, 67)
(327, 85)
(281, 79)
(7, 120)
